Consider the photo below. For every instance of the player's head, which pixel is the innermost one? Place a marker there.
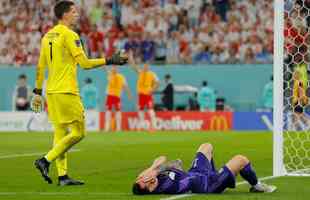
(88, 80)
(146, 67)
(66, 11)
(167, 77)
(22, 79)
(204, 83)
(140, 187)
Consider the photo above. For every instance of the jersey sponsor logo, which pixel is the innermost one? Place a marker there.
(218, 123)
(172, 175)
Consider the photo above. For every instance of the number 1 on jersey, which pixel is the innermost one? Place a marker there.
(51, 50)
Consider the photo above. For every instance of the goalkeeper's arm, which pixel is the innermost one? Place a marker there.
(37, 101)
(116, 59)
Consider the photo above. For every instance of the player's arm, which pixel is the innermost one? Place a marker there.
(40, 75)
(154, 169)
(73, 43)
(86, 63)
(126, 87)
(37, 101)
(155, 84)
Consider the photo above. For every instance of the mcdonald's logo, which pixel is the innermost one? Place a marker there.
(219, 123)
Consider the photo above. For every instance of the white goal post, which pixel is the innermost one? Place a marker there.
(278, 166)
(291, 118)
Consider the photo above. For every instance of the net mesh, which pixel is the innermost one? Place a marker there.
(296, 86)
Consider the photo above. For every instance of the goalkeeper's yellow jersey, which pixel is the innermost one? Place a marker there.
(59, 47)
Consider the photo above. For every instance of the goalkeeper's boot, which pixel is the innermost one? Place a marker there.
(263, 188)
(42, 165)
(66, 180)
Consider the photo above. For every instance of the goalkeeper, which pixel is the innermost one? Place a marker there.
(168, 178)
(61, 51)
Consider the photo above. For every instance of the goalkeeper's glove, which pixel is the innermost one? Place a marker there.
(118, 58)
(37, 101)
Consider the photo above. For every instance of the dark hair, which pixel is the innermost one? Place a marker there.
(204, 83)
(62, 7)
(22, 76)
(88, 80)
(137, 190)
(167, 76)
(271, 78)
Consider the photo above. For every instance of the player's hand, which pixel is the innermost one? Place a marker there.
(118, 58)
(147, 175)
(37, 103)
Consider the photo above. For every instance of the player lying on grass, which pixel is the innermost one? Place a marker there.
(165, 177)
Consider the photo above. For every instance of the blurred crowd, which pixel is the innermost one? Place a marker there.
(158, 31)
(297, 32)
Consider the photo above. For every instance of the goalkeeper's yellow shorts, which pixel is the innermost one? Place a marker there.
(64, 108)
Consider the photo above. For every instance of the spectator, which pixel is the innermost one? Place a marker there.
(219, 24)
(22, 94)
(206, 98)
(96, 13)
(121, 41)
(161, 47)
(168, 93)
(173, 48)
(221, 7)
(204, 57)
(6, 57)
(96, 39)
(268, 95)
(147, 48)
(196, 47)
(89, 95)
(109, 44)
(134, 44)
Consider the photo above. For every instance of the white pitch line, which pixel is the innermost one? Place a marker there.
(30, 154)
(61, 193)
(188, 195)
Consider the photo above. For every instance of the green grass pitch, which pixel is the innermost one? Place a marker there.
(110, 162)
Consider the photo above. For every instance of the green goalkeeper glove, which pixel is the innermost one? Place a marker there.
(118, 58)
(37, 101)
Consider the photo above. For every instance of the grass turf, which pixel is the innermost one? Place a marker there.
(110, 162)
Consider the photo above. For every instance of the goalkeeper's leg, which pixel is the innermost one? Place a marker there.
(61, 161)
(77, 133)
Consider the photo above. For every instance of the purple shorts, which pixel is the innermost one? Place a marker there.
(216, 181)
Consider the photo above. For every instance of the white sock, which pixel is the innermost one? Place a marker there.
(153, 118)
(141, 116)
(107, 120)
(118, 121)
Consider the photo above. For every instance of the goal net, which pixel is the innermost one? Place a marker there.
(291, 70)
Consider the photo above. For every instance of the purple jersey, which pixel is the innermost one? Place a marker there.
(201, 178)
(174, 181)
